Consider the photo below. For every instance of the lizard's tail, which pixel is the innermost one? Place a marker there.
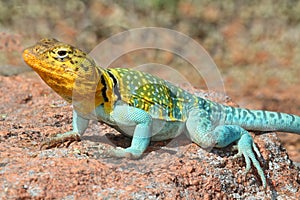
(260, 120)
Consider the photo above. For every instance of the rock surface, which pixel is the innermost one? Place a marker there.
(178, 169)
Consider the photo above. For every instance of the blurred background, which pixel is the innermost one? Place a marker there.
(255, 44)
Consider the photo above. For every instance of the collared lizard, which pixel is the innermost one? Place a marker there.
(146, 107)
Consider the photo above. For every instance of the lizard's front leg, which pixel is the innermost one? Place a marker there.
(79, 126)
(125, 115)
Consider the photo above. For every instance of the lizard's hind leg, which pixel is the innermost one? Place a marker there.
(206, 134)
(200, 128)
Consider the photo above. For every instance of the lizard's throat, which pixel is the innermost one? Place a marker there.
(62, 84)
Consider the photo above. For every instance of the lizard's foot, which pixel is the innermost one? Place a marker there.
(129, 152)
(60, 139)
(245, 147)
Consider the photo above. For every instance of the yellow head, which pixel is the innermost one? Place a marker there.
(60, 65)
(70, 72)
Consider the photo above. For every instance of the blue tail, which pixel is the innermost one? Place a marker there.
(260, 120)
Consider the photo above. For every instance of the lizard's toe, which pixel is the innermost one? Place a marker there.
(245, 148)
(60, 139)
(129, 153)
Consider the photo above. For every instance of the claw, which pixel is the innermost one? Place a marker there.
(245, 148)
(60, 139)
(129, 153)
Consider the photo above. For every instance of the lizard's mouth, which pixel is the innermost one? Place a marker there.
(32, 61)
(29, 58)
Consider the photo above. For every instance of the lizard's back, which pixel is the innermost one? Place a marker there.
(160, 98)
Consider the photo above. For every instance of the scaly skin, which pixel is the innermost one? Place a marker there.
(146, 107)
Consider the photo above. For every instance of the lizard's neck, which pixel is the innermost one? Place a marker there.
(95, 87)
(107, 92)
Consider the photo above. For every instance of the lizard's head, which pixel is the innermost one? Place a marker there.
(60, 65)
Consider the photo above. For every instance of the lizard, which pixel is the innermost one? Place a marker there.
(146, 107)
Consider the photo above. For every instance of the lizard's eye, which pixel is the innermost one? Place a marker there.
(62, 53)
